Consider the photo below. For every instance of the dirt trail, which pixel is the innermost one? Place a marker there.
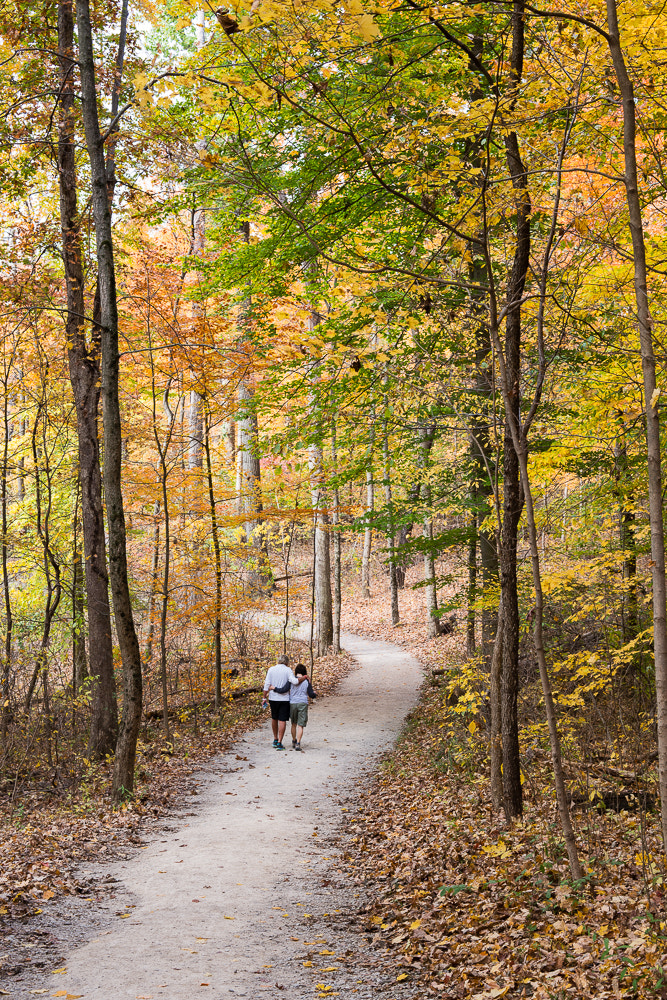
(231, 900)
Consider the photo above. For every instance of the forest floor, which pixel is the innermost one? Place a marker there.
(241, 892)
(409, 885)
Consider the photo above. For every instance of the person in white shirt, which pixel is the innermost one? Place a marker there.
(277, 683)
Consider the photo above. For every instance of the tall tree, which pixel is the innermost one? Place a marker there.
(123, 779)
(84, 371)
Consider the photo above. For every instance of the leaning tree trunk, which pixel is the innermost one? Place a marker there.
(644, 323)
(85, 379)
(123, 778)
(521, 450)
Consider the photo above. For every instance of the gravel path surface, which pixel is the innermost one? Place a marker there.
(244, 897)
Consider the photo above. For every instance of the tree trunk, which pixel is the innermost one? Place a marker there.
(496, 740)
(337, 545)
(645, 325)
(6, 712)
(217, 627)
(427, 436)
(471, 643)
(512, 494)
(321, 522)
(391, 539)
(250, 490)
(79, 658)
(51, 566)
(163, 451)
(155, 565)
(370, 506)
(404, 532)
(123, 778)
(85, 379)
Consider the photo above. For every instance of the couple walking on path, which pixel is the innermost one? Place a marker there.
(288, 695)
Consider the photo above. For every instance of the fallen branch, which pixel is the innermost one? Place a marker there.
(207, 703)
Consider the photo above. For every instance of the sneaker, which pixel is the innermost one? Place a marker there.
(279, 746)
(297, 746)
(276, 743)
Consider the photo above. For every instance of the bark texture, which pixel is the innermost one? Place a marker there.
(645, 325)
(123, 778)
(84, 370)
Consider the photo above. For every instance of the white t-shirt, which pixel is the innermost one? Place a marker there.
(279, 675)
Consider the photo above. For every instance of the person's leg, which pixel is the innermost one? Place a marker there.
(299, 733)
(281, 729)
(293, 732)
(274, 727)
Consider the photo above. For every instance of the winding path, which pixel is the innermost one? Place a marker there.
(218, 907)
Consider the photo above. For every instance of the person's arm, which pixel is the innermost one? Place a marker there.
(311, 692)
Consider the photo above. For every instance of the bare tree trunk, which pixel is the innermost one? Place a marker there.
(645, 325)
(79, 658)
(195, 414)
(321, 523)
(391, 539)
(163, 452)
(85, 379)
(250, 489)
(229, 438)
(217, 628)
(496, 740)
(9, 619)
(370, 506)
(248, 477)
(123, 778)
(471, 644)
(427, 435)
(51, 566)
(512, 493)
(195, 431)
(155, 564)
(337, 545)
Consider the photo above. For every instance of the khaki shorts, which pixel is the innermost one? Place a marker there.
(298, 714)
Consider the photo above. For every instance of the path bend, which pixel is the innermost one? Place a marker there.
(216, 906)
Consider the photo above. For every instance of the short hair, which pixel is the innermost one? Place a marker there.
(300, 669)
(283, 658)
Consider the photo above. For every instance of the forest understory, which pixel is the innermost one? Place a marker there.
(461, 902)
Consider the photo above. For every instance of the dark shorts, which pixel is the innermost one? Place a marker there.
(279, 710)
